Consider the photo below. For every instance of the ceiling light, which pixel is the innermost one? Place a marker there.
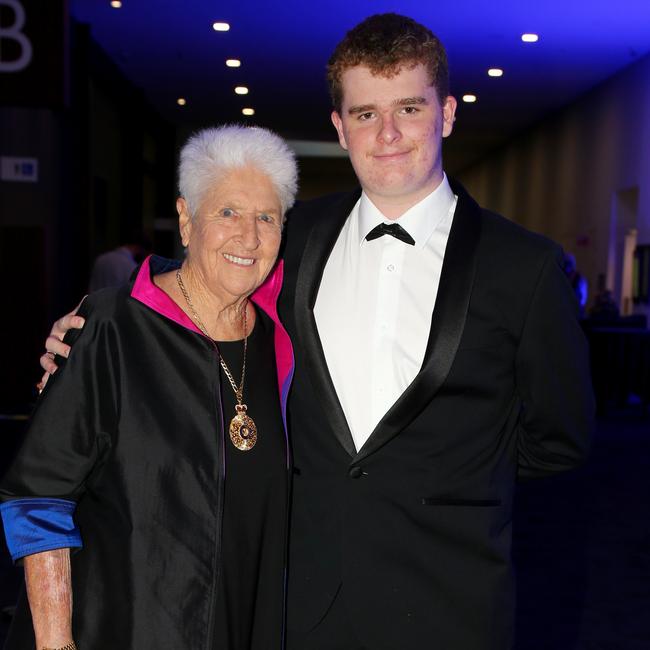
(116, 4)
(529, 38)
(469, 98)
(220, 27)
(495, 72)
(181, 101)
(233, 63)
(241, 90)
(248, 111)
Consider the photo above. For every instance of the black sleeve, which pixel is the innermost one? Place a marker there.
(553, 379)
(71, 428)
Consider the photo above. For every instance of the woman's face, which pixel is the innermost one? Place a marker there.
(233, 239)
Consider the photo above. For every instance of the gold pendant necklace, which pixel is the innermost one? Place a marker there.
(242, 430)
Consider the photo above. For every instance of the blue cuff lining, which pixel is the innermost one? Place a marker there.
(34, 525)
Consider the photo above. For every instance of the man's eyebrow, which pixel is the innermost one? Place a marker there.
(408, 101)
(362, 108)
(402, 101)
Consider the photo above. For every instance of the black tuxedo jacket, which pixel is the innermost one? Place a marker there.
(417, 524)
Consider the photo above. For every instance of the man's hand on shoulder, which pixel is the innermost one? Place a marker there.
(54, 343)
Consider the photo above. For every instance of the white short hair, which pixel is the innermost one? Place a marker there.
(211, 153)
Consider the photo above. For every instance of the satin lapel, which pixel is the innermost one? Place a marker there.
(447, 323)
(317, 251)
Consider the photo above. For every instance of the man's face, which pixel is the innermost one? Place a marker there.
(393, 129)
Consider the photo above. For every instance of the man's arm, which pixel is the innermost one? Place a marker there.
(553, 379)
(49, 591)
(54, 343)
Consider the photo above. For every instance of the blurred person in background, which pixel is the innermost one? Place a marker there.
(578, 281)
(113, 268)
(160, 446)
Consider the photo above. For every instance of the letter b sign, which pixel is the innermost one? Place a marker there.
(13, 32)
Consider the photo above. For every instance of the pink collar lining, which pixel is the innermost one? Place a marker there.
(147, 292)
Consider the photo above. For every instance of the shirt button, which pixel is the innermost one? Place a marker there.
(390, 267)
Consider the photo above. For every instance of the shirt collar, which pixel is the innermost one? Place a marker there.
(420, 221)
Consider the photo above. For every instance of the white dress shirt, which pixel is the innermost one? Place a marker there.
(375, 302)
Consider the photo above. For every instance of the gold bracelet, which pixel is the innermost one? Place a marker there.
(69, 646)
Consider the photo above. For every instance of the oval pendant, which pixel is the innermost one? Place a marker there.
(243, 431)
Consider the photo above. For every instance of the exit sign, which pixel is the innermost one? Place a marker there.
(20, 170)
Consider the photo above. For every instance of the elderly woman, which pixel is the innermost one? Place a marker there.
(160, 442)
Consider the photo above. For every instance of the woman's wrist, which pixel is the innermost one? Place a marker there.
(67, 646)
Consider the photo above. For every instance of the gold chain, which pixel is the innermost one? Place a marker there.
(239, 391)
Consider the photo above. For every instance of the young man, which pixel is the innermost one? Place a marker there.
(430, 373)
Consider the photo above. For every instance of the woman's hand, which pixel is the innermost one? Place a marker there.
(54, 343)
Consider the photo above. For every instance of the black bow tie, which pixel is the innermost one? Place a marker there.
(392, 229)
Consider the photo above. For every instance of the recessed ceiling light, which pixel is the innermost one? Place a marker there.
(529, 38)
(469, 98)
(220, 27)
(233, 63)
(241, 90)
(495, 72)
(116, 4)
(248, 111)
(181, 101)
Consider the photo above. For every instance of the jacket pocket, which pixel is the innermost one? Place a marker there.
(450, 501)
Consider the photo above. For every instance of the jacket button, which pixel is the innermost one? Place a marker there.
(355, 472)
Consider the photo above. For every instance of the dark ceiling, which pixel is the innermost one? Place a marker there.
(169, 49)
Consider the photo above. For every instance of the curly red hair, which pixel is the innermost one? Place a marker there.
(387, 43)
